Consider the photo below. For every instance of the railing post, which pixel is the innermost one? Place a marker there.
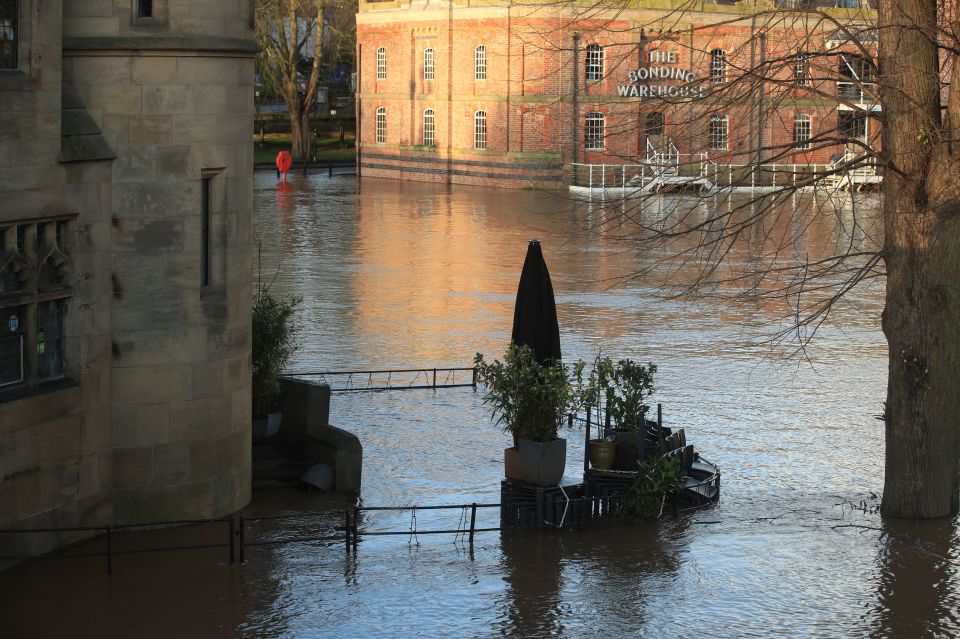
(474, 381)
(356, 528)
(230, 532)
(346, 528)
(603, 176)
(473, 521)
(243, 535)
(434, 379)
(109, 552)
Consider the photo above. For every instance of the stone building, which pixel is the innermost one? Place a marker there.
(513, 94)
(125, 198)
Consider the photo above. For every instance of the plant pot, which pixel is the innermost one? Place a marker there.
(602, 454)
(512, 468)
(543, 462)
(273, 424)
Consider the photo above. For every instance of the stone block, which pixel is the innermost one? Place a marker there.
(113, 98)
(56, 442)
(210, 458)
(90, 482)
(210, 99)
(116, 130)
(199, 420)
(207, 379)
(96, 430)
(167, 100)
(38, 409)
(150, 384)
(171, 464)
(140, 424)
(150, 129)
(148, 347)
(70, 480)
(159, 503)
(139, 198)
(132, 468)
(143, 236)
(16, 453)
(153, 70)
(173, 162)
(38, 491)
(206, 71)
(100, 70)
(8, 502)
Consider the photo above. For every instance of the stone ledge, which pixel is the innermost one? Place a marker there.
(152, 43)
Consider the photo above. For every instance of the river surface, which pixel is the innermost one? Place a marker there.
(397, 275)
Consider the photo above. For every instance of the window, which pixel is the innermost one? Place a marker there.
(34, 289)
(719, 129)
(801, 70)
(205, 231)
(594, 62)
(593, 132)
(480, 130)
(428, 128)
(144, 8)
(718, 66)
(654, 123)
(381, 125)
(801, 131)
(428, 64)
(381, 63)
(858, 80)
(8, 34)
(480, 63)
(852, 125)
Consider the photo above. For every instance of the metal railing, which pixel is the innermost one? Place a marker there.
(392, 379)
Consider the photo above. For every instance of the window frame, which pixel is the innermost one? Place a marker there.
(381, 63)
(36, 245)
(429, 64)
(380, 125)
(480, 62)
(801, 69)
(594, 62)
(480, 130)
(429, 126)
(14, 28)
(719, 133)
(802, 131)
(654, 122)
(594, 131)
(718, 66)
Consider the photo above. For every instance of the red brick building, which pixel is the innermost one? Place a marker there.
(513, 95)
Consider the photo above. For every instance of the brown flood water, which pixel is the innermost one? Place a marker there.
(398, 275)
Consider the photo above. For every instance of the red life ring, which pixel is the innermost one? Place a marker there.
(284, 161)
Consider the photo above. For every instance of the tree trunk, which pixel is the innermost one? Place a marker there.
(301, 135)
(922, 254)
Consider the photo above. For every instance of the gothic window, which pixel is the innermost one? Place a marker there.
(34, 295)
(9, 17)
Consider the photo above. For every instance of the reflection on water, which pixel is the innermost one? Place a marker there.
(397, 275)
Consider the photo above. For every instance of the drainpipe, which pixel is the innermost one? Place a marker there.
(576, 103)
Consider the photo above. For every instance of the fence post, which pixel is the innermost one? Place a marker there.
(473, 521)
(730, 175)
(230, 532)
(474, 381)
(243, 550)
(109, 552)
(434, 379)
(346, 527)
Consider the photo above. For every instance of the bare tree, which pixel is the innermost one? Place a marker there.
(298, 39)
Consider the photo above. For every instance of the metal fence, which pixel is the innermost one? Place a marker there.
(392, 379)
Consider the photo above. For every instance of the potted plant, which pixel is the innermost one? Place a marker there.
(621, 390)
(274, 341)
(530, 401)
(658, 477)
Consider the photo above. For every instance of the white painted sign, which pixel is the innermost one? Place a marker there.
(648, 83)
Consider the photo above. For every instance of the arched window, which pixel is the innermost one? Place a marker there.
(480, 62)
(480, 130)
(428, 127)
(719, 132)
(381, 125)
(718, 66)
(593, 132)
(801, 131)
(428, 64)
(594, 62)
(654, 123)
(9, 17)
(381, 63)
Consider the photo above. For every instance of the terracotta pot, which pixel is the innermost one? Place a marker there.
(602, 454)
(543, 462)
(512, 469)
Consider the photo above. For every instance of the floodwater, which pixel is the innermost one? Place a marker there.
(398, 275)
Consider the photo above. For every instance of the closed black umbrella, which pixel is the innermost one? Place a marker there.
(535, 314)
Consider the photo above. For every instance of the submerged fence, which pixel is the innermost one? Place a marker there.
(392, 379)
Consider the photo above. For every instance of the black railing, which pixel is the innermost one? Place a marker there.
(393, 379)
